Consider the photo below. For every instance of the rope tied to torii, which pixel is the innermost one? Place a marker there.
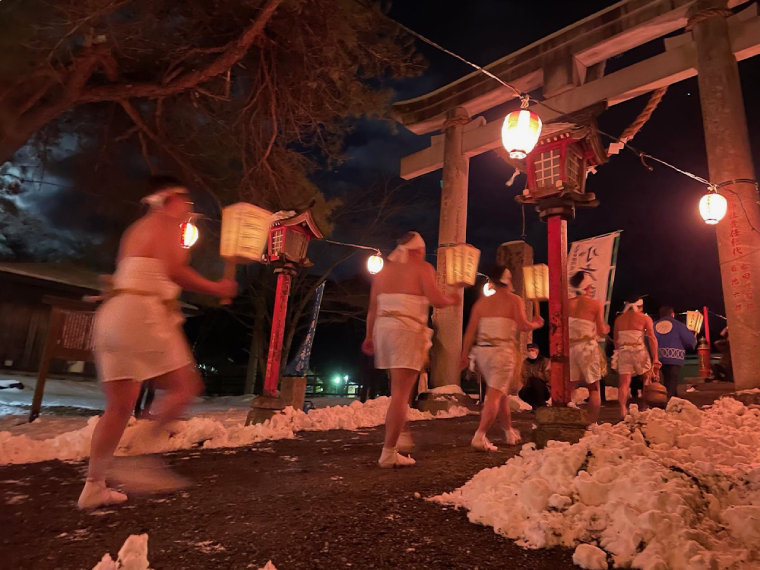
(639, 122)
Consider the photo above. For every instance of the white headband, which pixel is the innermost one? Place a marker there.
(637, 305)
(158, 199)
(401, 253)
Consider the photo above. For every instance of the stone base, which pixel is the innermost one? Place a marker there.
(559, 424)
(264, 408)
(434, 403)
(293, 391)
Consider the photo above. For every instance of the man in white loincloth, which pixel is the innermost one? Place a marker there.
(494, 322)
(398, 333)
(631, 357)
(137, 333)
(586, 325)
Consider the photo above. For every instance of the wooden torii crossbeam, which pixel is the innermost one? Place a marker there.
(582, 82)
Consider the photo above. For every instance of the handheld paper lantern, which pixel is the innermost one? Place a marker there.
(245, 228)
(536, 281)
(520, 133)
(375, 263)
(461, 264)
(189, 234)
(694, 320)
(712, 207)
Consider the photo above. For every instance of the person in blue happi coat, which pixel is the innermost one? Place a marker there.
(673, 338)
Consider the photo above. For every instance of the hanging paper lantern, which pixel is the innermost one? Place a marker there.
(488, 289)
(461, 264)
(536, 280)
(712, 207)
(189, 234)
(520, 133)
(375, 263)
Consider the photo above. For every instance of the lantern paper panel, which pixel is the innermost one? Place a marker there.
(694, 321)
(461, 264)
(536, 282)
(245, 229)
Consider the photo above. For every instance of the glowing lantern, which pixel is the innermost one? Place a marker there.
(245, 229)
(694, 320)
(712, 207)
(520, 133)
(375, 263)
(189, 234)
(536, 280)
(461, 264)
(488, 289)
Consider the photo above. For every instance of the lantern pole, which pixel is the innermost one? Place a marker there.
(559, 341)
(274, 358)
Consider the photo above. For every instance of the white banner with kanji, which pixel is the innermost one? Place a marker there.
(598, 257)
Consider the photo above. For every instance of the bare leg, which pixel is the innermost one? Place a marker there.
(488, 414)
(511, 435)
(121, 396)
(402, 381)
(405, 442)
(594, 401)
(624, 389)
(182, 387)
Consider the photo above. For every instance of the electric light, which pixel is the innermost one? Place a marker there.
(520, 133)
(375, 263)
(488, 289)
(336, 380)
(189, 234)
(712, 207)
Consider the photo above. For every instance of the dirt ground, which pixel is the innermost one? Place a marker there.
(316, 502)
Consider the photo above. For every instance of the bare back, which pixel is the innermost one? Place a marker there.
(403, 278)
(154, 236)
(632, 321)
(504, 304)
(584, 308)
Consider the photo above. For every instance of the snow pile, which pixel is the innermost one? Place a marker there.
(134, 556)
(449, 390)
(676, 488)
(208, 432)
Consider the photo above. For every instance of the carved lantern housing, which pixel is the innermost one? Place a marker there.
(289, 238)
(561, 159)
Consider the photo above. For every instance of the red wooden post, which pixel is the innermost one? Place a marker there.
(559, 341)
(707, 326)
(278, 331)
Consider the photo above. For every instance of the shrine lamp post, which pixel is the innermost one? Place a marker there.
(557, 170)
(287, 245)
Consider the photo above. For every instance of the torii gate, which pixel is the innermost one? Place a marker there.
(568, 66)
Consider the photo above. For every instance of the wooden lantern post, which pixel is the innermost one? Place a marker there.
(287, 244)
(557, 170)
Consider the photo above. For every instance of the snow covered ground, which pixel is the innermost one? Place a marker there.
(69, 438)
(666, 489)
(134, 556)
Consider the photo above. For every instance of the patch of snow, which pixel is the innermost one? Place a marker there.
(590, 557)
(211, 432)
(750, 391)
(134, 555)
(676, 488)
(610, 393)
(580, 395)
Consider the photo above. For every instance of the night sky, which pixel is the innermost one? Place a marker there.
(666, 250)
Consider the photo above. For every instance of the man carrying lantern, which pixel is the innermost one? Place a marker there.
(673, 337)
(586, 324)
(398, 333)
(494, 322)
(631, 357)
(137, 336)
